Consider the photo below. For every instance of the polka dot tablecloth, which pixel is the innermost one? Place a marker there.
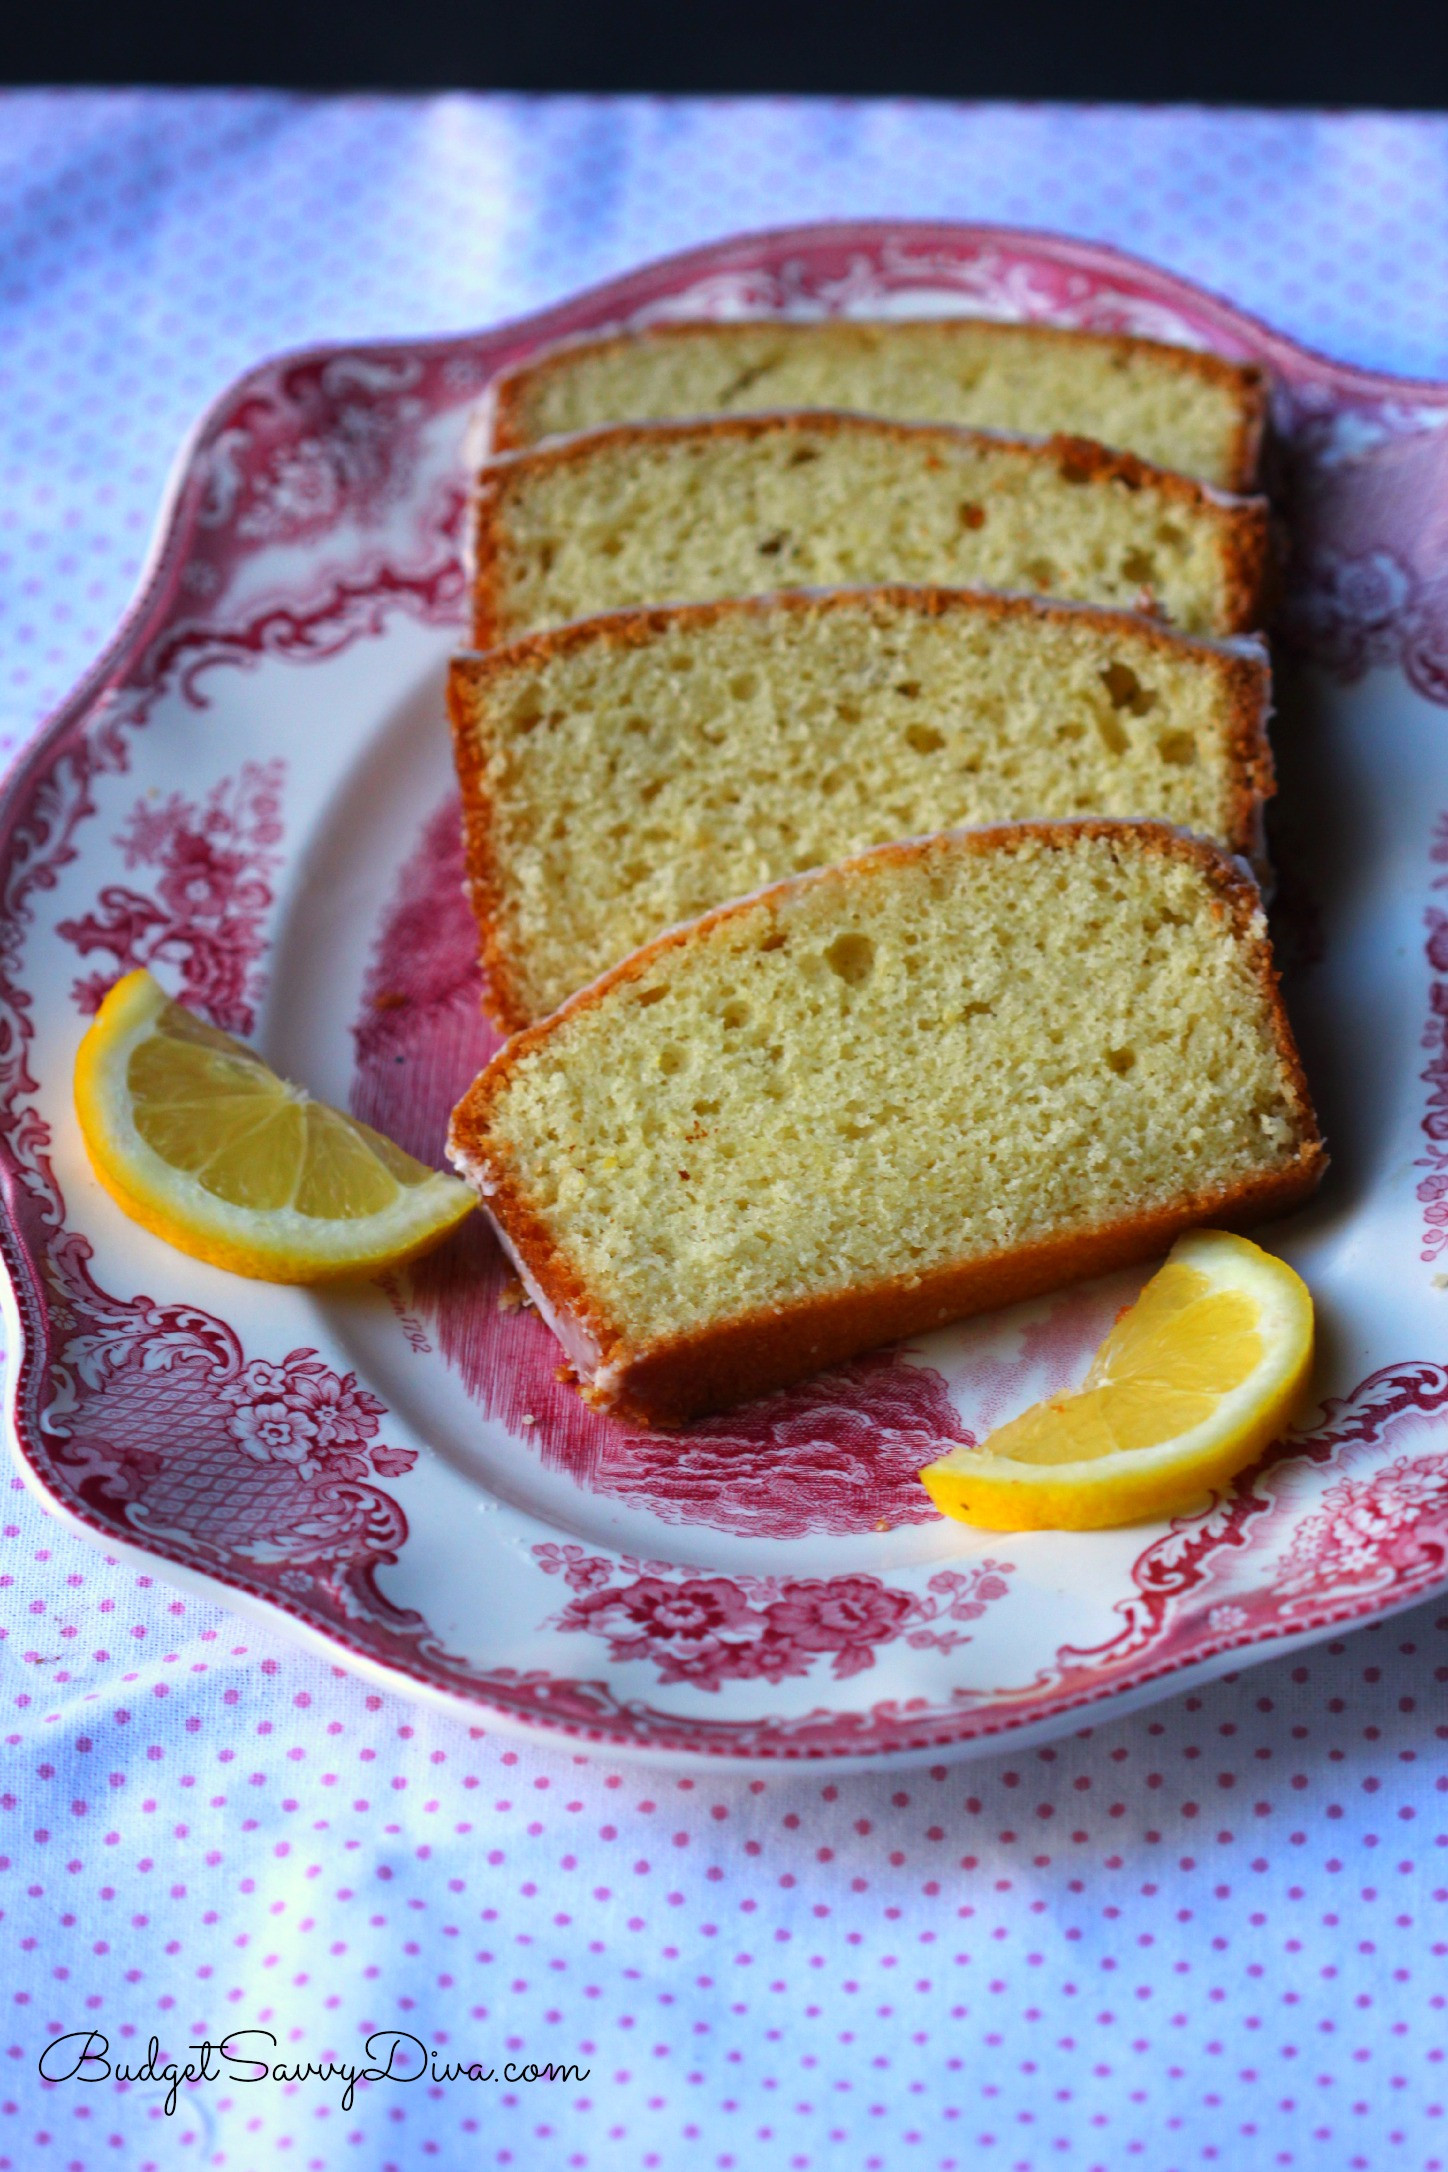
(1212, 1933)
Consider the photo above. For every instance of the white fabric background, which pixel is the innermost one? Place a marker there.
(1213, 1933)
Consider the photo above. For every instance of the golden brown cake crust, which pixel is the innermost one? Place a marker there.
(734, 1360)
(1243, 522)
(1247, 674)
(697, 1374)
(511, 393)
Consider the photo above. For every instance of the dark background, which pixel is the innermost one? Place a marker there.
(1390, 53)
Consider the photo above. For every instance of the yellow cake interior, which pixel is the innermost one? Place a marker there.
(626, 784)
(915, 1060)
(680, 515)
(999, 376)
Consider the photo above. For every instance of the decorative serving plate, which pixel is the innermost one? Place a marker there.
(251, 794)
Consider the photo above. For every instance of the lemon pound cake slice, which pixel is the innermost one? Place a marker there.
(627, 772)
(682, 512)
(1172, 405)
(946, 1075)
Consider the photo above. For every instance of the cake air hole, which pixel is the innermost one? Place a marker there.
(1126, 690)
(852, 957)
(1113, 737)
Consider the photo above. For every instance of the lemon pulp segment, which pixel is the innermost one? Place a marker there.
(1190, 1385)
(197, 1138)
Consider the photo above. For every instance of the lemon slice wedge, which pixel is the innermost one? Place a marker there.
(1191, 1384)
(197, 1139)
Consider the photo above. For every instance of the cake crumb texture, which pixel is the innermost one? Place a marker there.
(1172, 405)
(632, 772)
(683, 512)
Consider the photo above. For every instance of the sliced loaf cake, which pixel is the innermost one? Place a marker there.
(630, 771)
(946, 1075)
(1172, 405)
(684, 512)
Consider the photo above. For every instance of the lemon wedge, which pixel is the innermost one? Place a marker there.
(194, 1137)
(1191, 1384)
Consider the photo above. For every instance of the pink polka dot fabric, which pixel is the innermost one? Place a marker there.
(1210, 1933)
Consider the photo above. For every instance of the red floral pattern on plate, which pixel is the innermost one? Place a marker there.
(1363, 485)
(160, 1428)
(1369, 1532)
(321, 1422)
(709, 1630)
(214, 863)
(1433, 1188)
